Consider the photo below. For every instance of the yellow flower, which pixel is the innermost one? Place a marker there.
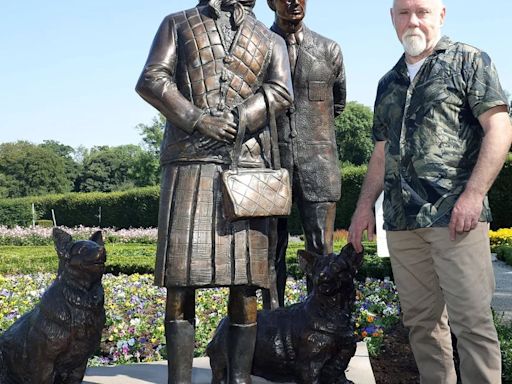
(370, 318)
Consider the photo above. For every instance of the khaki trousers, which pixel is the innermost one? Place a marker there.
(439, 279)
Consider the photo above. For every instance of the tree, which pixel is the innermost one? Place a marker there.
(353, 133)
(107, 169)
(148, 164)
(28, 169)
(68, 154)
(152, 135)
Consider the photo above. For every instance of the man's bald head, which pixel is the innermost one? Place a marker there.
(435, 3)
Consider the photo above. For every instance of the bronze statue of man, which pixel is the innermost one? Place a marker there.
(307, 139)
(209, 68)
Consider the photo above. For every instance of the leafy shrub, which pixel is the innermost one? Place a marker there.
(351, 183)
(504, 329)
(504, 253)
(133, 208)
(499, 197)
(15, 212)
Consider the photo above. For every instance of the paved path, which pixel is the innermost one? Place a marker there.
(359, 371)
(502, 300)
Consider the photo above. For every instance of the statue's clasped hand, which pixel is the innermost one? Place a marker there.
(217, 128)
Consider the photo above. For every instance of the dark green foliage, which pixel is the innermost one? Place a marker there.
(354, 133)
(107, 169)
(351, 183)
(15, 212)
(27, 169)
(133, 208)
(504, 330)
(375, 267)
(67, 154)
(504, 253)
(499, 197)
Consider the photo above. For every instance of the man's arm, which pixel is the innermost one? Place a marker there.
(495, 146)
(339, 89)
(363, 217)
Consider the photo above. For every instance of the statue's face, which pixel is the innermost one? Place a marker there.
(290, 10)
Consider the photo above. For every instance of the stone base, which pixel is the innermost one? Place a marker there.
(359, 371)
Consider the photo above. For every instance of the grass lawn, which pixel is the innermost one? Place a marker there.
(31, 259)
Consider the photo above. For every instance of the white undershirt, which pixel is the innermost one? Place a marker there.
(413, 69)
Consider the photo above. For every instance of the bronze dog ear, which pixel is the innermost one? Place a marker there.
(349, 253)
(97, 237)
(306, 260)
(63, 241)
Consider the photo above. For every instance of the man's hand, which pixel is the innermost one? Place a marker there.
(466, 213)
(219, 127)
(363, 219)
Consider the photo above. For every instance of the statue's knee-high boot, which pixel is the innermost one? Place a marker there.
(241, 342)
(179, 335)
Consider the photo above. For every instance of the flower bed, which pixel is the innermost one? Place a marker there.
(43, 236)
(502, 236)
(135, 308)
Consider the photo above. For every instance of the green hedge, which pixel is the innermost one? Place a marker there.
(15, 212)
(133, 208)
(504, 253)
(139, 207)
(499, 197)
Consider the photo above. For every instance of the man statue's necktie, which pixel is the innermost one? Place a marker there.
(292, 51)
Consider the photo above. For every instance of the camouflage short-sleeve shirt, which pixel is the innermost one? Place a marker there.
(432, 133)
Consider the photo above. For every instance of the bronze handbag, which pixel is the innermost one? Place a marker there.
(256, 192)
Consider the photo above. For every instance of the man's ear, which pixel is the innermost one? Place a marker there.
(63, 241)
(443, 15)
(271, 5)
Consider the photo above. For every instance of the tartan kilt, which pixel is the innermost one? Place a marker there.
(197, 246)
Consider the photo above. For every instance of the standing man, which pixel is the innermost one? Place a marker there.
(442, 134)
(211, 69)
(307, 139)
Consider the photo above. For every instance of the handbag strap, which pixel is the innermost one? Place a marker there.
(276, 160)
(242, 127)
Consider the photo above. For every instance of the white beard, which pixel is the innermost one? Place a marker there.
(414, 42)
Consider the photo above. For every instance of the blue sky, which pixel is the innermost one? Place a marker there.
(68, 68)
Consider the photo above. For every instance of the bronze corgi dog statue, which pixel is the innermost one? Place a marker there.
(310, 342)
(52, 343)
